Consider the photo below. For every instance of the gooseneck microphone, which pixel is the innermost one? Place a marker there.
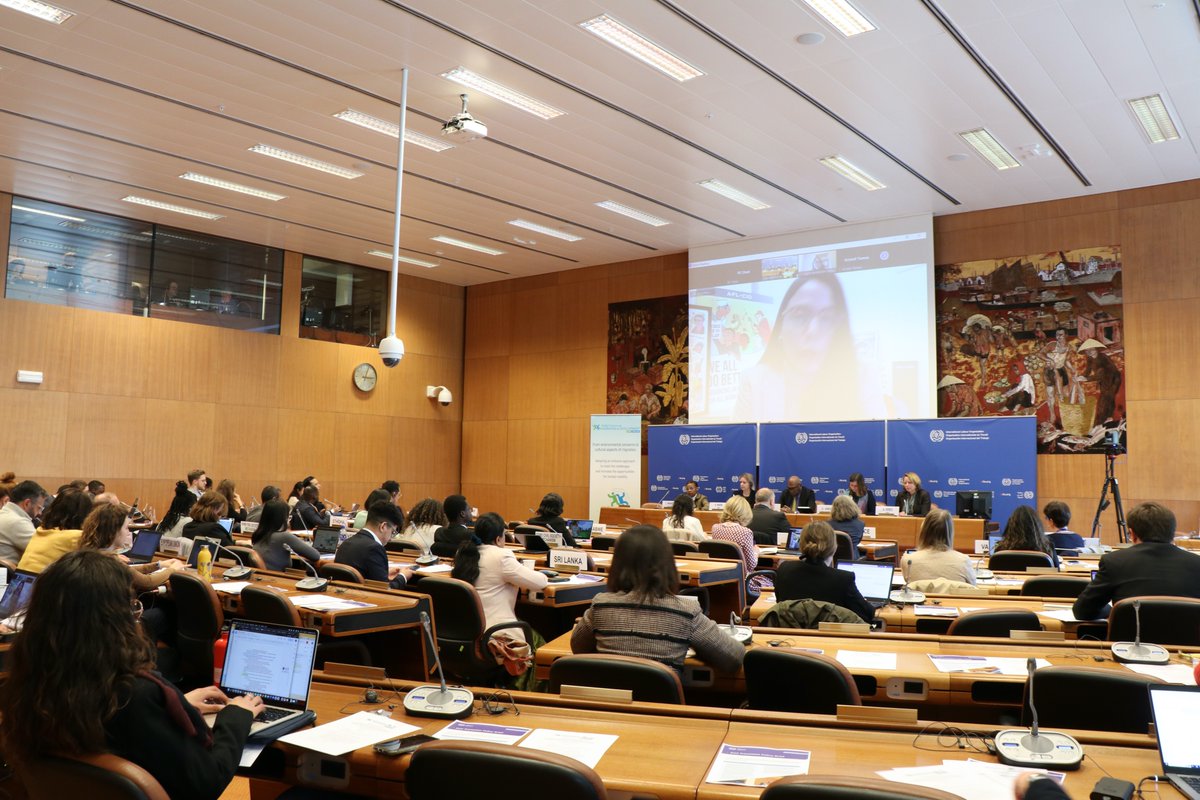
(1034, 748)
(234, 573)
(907, 595)
(438, 701)
(1136, 652)
(314, 584)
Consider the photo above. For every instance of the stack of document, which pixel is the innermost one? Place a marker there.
(977, 780)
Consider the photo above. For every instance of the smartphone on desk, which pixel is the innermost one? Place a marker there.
(398, 747)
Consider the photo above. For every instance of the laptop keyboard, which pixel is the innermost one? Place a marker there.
(272, 714)
(1191, 780)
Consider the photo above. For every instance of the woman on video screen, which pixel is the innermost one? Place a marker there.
(810, 370)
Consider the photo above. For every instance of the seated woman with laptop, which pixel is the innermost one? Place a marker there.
(935, 556)
(107, 529)
(641, 614)
(813, 576)
(84, 613)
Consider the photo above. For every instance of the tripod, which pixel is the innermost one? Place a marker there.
(1110, 480)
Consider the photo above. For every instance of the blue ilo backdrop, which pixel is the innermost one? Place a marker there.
(996, 454)
(711, 455)
(822, 455)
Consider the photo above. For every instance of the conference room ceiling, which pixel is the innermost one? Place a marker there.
(127, 95)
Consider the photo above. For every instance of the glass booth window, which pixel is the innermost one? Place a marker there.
(342, 302)
(69, 257)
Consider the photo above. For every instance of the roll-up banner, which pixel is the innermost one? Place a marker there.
(616, 462)
(711, 455)
(822, 455)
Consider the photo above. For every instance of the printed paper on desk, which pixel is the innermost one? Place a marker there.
(858, 659)
(935, 611)
(576, 559)
(324, 602)
(481, 732)
(434, 569)
(231, 587)
(349, 733)
(743, 765)
(974, 779)
(995, 665)
(1171, 673)
(586, 747)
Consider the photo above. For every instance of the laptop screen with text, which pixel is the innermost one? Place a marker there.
(274, 662)
(874, 579)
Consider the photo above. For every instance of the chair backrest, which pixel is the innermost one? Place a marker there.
(403, 545)
(248, 555)
(792, 680)
(716, 548)
(1091, 698)
(263, 605)
(994, 622)
(98, 776)
(652, 505)
(650, 681)
(603, 542)
(340, 572)
(460, 624)
(681, 548)
(1019, 560)
(846, 551)
(1165, 620)
(443, 549)
(483, 769)
(1054, 586)
(8, 565)
(842, 787)
(200, 619)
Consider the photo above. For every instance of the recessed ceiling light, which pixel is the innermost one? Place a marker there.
(957, 157)
(47, 213)
(841, 15)
(35, 8)
(633, 213)
(415, 261)
(195, 177)
(1152, 115)
(503, 93)
(992, 151)
(305, 161)
(533, 226)
(478, 248)
(392, 129)
(736, 195)
(852, 173)
(641, 48)
(191, 212)
(810, 38)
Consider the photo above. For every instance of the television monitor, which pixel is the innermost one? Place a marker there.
(973, 505)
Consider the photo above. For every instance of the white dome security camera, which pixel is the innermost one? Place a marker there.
(391, 350)
(439, 393)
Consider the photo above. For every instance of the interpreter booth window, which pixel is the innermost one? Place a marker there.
(70, 257)
(214, 281)
(342, 302)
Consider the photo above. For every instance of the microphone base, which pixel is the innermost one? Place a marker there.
(984, 574)
(1018, 747)
(426, 560)
(1139, 653)
(903, 596)
(236, 573)
(312, 584)
(432, 701)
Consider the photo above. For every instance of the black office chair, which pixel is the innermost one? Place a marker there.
(701, 595)
(994, 622)
(846, 549)
(1054, 586)
(1090, 698)
(462, 635)
(842, 787)
(97, 776)
(716, 548)
(1018, 560)
(603, 542)
(403, 546)
(1165, 620)
(650, 681)
(340, 572)
(264, 605)
(200, 619)
(681, 548)
(443, 549)
(483, 769)
(782, 679)
(248, 555)
(532, 541)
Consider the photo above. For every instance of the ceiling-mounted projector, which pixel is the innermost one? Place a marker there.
(464, 125)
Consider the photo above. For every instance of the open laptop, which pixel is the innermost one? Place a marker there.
(227, 524)
(16, 594)
(873, 578)
(993, 542)
(145, 545)
(203, 543)
(793, 541)
(581, 529)
(1176, 709)
(274, 662)
(326, 540)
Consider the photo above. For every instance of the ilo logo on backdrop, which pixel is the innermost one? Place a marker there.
(952, 481)
(684, 439)
(937, 435)
(802, 438)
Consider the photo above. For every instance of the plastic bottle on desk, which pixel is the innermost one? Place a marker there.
(219, 655)
(204, 563)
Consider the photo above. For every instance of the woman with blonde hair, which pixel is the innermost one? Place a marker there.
(735, 516)
(936, 556)
(844, 517)
(913, 500)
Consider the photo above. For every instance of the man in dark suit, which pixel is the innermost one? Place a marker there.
(767, 522)
(798, 498)
(448, 537)
(366, 550)
(1153, 566)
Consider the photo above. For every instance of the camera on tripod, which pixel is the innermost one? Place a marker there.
(1112, 444)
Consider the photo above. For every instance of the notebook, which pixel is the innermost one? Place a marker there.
(873, 578)
(144, 547)
(17, 593)
(793, 540)
(1176, 709)
(274, 662)
(326, 540)
(203, 543)
(581, 529)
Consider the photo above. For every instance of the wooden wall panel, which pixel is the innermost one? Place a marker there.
(180, 435)
(1160, 246)
(105, 436)
(42, 340)
(33, 437)
(485, 388)
(483, 447)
